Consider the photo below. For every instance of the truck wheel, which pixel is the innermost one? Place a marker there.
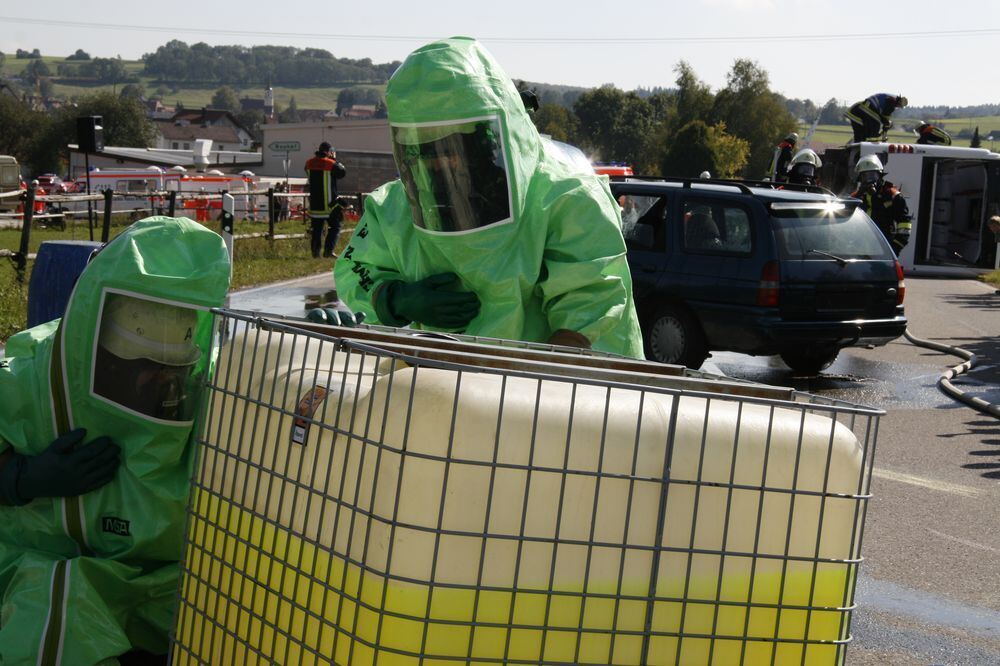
(811, 360)
(674, 336)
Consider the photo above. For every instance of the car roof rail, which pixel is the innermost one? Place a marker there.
(742, 184)
(774, 185)
(685, 182)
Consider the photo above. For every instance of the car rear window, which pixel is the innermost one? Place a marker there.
(845, 232)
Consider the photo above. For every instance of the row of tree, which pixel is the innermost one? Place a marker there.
(39, 139)
(276, 65)
(682, 131)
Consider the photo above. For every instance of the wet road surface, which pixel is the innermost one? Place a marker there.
(929, 591)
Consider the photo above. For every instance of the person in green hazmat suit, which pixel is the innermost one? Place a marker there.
(96, 422)
(489, 229)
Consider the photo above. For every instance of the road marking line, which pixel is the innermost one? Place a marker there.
(924, 482)
(964, 542)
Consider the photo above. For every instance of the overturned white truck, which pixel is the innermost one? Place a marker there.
(951, 192)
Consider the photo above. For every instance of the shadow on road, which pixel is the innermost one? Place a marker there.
(985, 301)
(986, 461)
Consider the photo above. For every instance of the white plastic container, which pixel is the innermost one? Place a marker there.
(464, 512)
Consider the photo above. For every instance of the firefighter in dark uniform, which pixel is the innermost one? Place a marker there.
(928, 134)
(782, 158)
(323, 170)
(870, 117)
(804, 168)
(883, 202)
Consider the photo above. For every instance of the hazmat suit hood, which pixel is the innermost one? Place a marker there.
(116, 547)
(454, 83)
(483, 196)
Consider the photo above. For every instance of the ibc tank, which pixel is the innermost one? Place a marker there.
(431, 510)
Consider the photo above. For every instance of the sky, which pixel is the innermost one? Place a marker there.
(934, 53)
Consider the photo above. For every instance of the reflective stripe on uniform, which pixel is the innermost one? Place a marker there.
(51, 646)
(72, 507)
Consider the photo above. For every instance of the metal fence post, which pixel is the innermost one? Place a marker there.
(21, 259)
(172, 203)
(272, 213)
(228, 220)
(106, 231)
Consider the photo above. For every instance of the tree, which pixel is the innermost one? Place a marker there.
(22, 128)
(693, 98)
(106, 70)
(348, 97)
(133, 90)
(36, 70)
(597, 111)
(752, 112)
(698, 147)
(252, 119)
(80, 54)
(226, 98)
(291, 114)
(976, 142)
(556, 121)
(832, 113)
(2, 59)
(124, 123)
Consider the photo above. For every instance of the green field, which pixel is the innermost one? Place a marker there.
(841, 134)
(191, 96)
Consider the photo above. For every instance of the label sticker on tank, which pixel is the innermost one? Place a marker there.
(308, 405)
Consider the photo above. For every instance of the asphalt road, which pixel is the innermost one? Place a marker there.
(929, 591)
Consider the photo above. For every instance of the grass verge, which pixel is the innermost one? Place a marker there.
(257, 261)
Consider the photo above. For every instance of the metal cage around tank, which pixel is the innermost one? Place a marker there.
(368, 496)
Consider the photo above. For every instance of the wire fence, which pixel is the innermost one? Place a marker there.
(364, 496)
(26, 207)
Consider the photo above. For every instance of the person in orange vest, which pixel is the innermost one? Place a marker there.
(782, 158)
(323, 170)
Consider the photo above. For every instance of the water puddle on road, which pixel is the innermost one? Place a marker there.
(929, 608)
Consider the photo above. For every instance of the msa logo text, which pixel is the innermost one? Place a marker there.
(118, 526)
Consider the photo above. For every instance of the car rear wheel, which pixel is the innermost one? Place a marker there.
(675, 337)
(810, 360)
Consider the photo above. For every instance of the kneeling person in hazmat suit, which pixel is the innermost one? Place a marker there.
(487, 231)
(96, 422)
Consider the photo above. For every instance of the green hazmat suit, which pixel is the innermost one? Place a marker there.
(89, 577)
(535, 238)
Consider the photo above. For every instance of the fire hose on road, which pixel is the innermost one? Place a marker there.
(944, 382)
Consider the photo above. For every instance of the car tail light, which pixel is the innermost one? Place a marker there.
(901, 285)
(767, 291)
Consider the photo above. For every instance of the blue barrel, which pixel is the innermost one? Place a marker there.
(57, 266)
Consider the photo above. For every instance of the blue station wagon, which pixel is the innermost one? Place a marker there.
(721, 265)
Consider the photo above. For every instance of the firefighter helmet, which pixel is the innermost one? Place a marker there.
(869, 163)
(807, 156)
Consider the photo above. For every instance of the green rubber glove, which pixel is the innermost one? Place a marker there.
(62, 470)
(429, 301)
(335, 317)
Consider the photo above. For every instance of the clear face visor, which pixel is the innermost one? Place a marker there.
(455, 174)
(147, 359)
(804, 170)
(869, 178)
